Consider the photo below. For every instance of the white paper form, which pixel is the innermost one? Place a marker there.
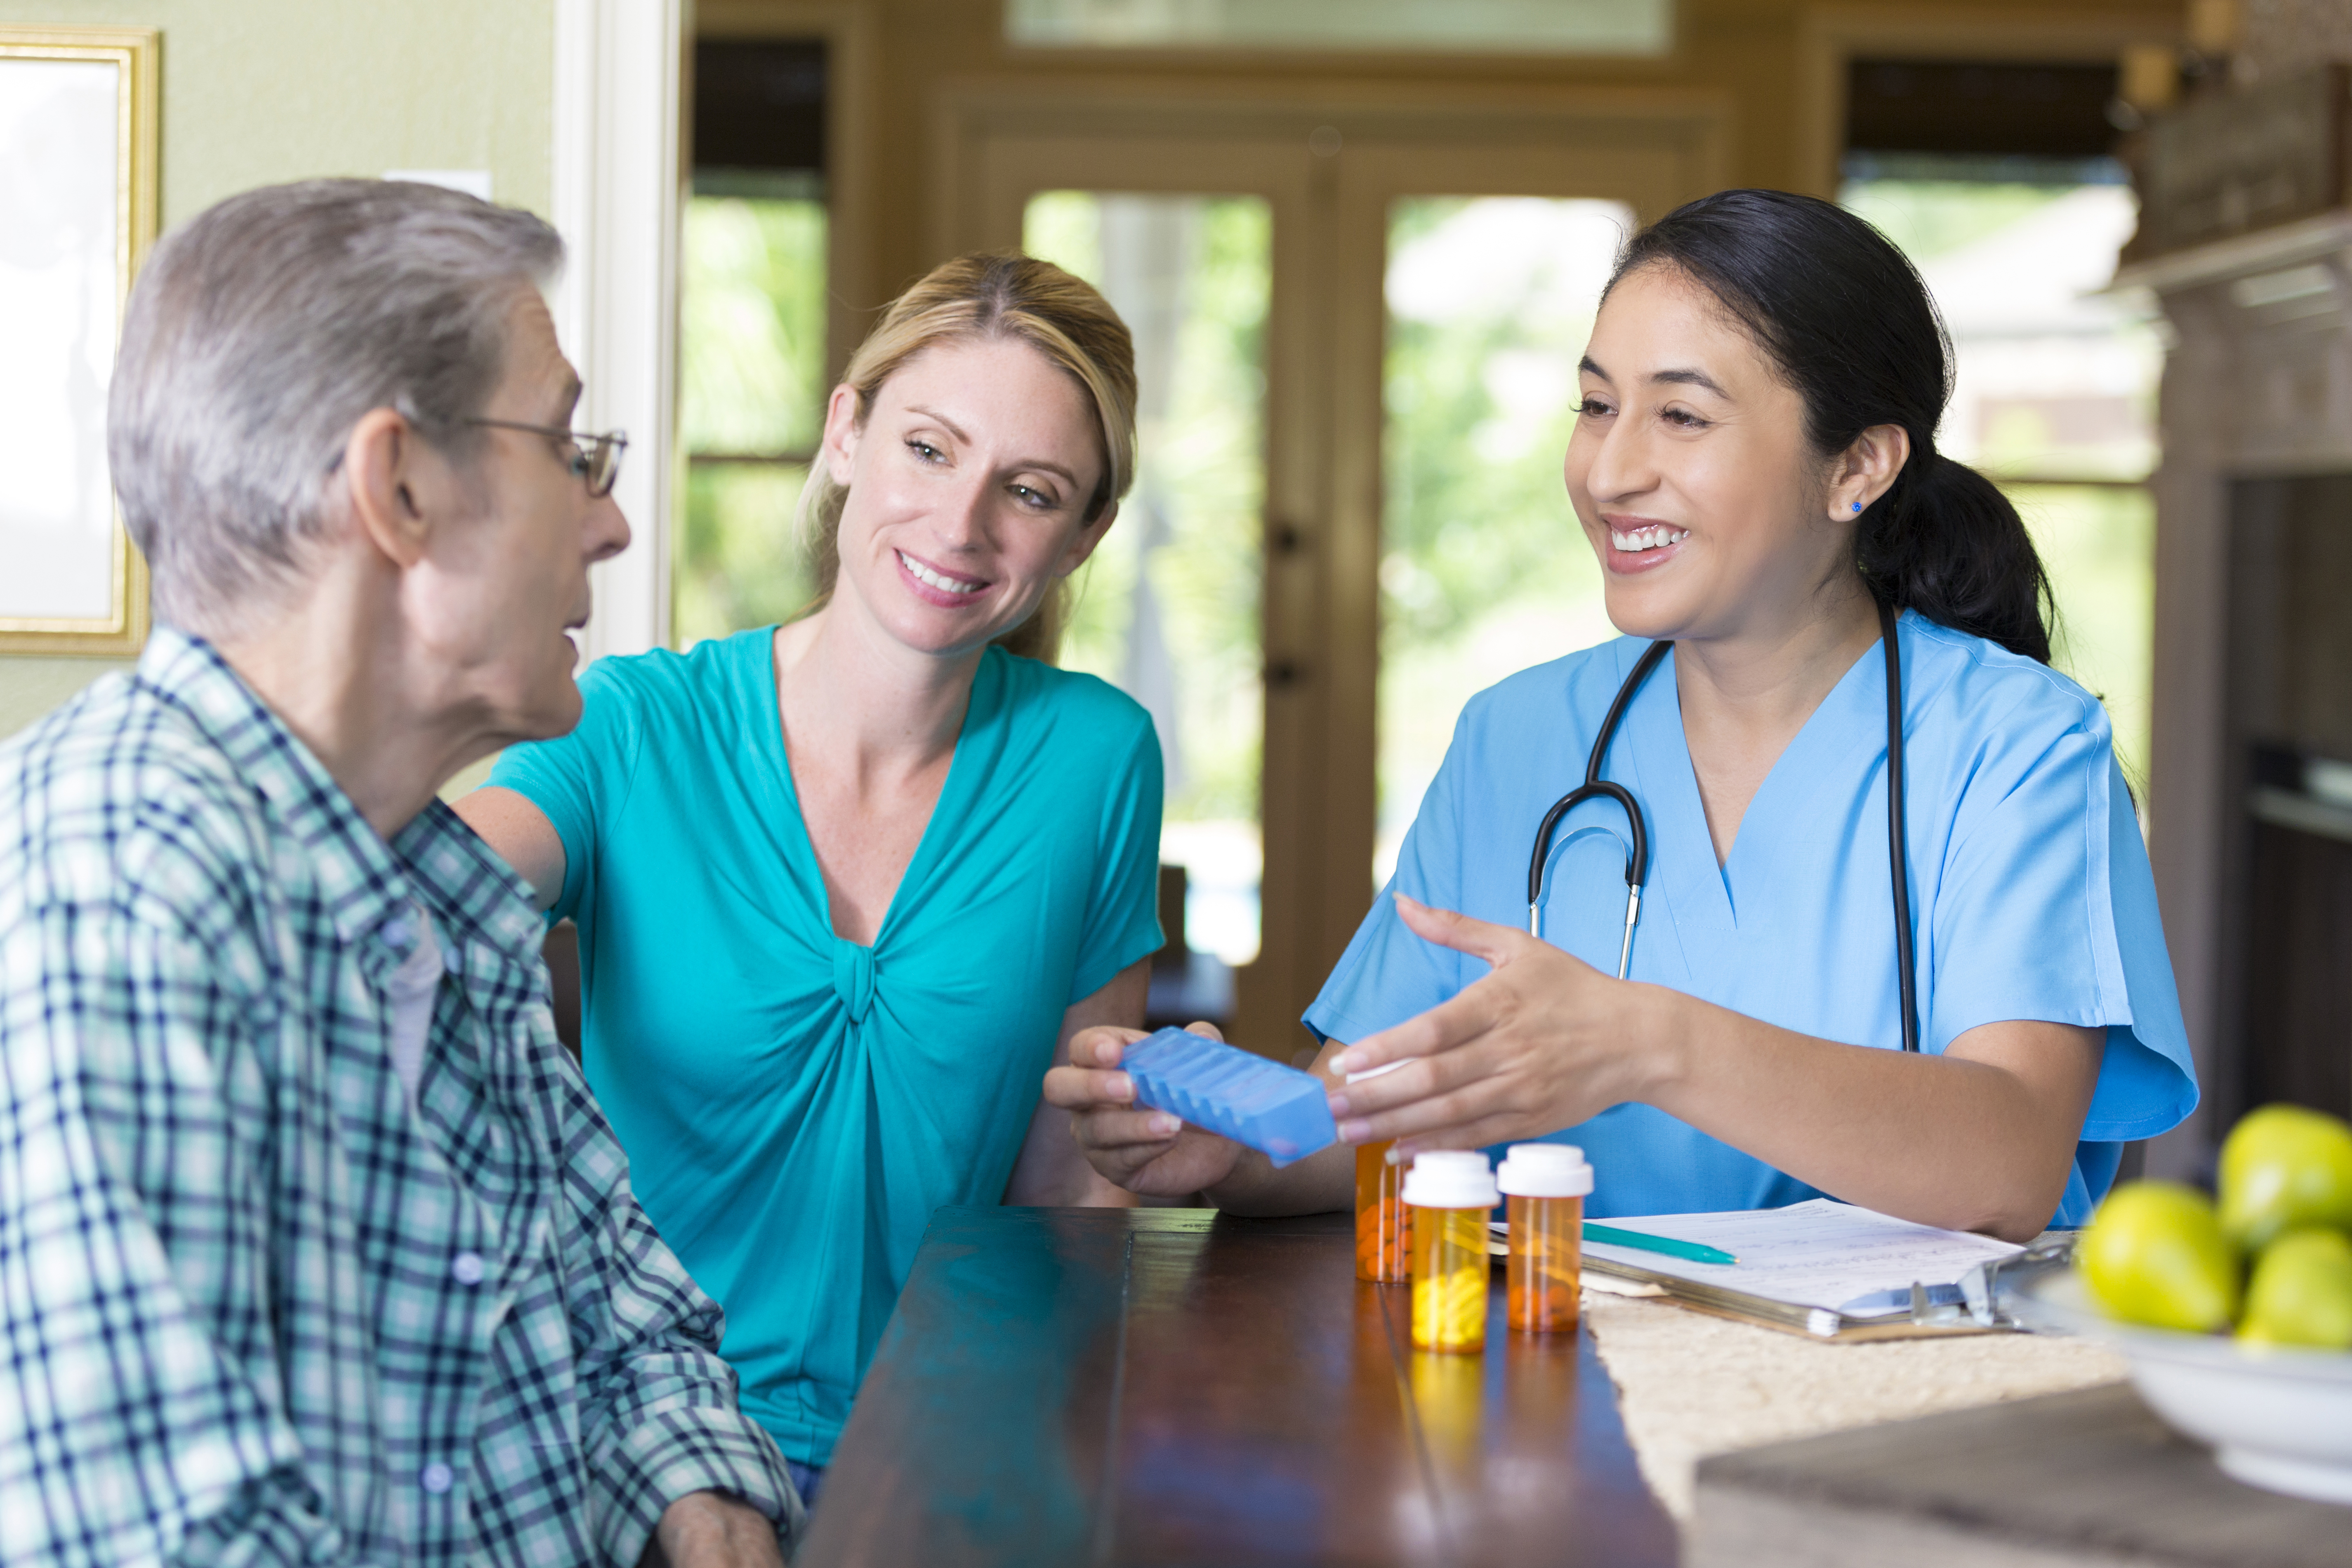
(1818, 1253)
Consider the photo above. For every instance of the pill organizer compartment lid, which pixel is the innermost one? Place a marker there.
(1277, 1110)
(1544, 1170)
(1450, 1178)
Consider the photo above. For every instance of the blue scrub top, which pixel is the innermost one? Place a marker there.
(795, 1105)
(2031, 892)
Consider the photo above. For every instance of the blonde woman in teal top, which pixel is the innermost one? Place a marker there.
(847, 887)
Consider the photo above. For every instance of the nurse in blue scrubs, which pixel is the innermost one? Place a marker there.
(847, 886)
(1755, 465)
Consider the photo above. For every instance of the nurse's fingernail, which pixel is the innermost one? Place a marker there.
(1338, 1106)
(1347, 1061)
(1163, 1125)
(1356, 1131)
(1121, 1086)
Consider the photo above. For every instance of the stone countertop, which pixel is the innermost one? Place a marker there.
(1690, 1386)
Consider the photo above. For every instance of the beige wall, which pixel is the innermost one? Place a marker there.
(257, 91)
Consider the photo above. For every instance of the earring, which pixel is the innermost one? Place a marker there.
(1857, 506)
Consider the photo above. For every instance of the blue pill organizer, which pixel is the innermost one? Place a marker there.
(1278, 1111)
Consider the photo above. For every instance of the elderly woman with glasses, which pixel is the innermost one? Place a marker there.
(847, 887)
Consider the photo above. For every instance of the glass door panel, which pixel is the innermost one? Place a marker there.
(751, 392)
(1168, 609)
(1483, 569)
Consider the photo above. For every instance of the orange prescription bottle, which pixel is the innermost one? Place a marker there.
(1450, 1193)
(1383, 1246)
(1544, 1185)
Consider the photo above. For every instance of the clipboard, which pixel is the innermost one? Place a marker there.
(1832, 1271)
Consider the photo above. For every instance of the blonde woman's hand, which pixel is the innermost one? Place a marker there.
(1151, 1153)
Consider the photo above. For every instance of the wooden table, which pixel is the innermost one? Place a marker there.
(1145, 1386)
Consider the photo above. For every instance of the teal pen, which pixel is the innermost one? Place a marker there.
(1695, 1251)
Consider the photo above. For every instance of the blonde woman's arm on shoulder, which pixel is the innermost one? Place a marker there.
(1052, 1169)
(521, 835)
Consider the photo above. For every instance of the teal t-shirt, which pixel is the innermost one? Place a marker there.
(795, 1105)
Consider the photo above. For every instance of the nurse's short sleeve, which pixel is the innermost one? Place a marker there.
(580, 780)
(1388, 974)
(1123, 905)
(2047, 911)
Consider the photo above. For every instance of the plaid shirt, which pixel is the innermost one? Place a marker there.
(255, 1307)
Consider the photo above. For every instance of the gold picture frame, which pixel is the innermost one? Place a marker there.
(120, 628)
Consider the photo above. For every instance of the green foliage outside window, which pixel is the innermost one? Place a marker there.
(1484, 568)
(751, 385)
(2098, 545)
(2096, 541)
(1476, 512)
(1928, 218)
(1203, 462)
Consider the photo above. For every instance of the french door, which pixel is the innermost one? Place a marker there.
(1350, 322)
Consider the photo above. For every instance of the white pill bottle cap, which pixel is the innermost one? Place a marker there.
(1545, 1170)
(1450, 1178)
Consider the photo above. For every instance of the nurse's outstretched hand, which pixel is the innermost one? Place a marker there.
(1544, 1041)
(1147, 1152)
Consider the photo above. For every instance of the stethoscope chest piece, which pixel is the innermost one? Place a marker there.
(1637, 861)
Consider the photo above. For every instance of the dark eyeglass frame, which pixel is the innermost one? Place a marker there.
(595, 457)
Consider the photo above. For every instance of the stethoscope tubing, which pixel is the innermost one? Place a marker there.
(1898, 835)
(1637, 863)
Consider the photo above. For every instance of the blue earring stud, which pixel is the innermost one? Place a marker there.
(1857, 506)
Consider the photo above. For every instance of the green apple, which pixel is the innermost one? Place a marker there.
(2302, 1291)
(2155, 1254)
(2284, 1167)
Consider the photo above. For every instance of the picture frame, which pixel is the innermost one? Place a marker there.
(77, 213)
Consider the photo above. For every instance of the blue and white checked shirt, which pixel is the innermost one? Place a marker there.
(254, 1308)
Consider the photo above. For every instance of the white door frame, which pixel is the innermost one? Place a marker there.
(620, 171)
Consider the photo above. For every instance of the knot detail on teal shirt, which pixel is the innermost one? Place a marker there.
(852, 977)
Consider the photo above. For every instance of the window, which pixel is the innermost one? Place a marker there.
(1995, 177)
(751, 362)
(1484, 568)
(1471, 26)
(1168, 609)
(2055, 393)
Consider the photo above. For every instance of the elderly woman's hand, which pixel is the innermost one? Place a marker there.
(1151, 1153)
(1543, 1042)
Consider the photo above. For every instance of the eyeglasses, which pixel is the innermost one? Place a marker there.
(596, 458)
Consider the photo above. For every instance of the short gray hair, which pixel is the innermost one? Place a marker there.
(262, 329)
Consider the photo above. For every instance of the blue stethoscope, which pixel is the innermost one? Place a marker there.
(1637, 864)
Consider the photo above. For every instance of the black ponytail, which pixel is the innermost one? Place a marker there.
(1851, 327)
